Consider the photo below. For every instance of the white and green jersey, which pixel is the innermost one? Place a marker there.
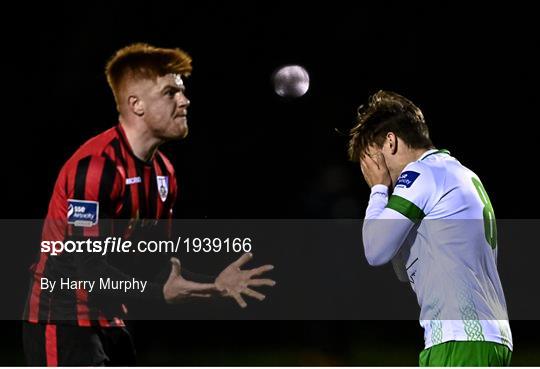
(438, 229)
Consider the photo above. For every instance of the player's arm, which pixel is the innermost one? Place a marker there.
(384, 229)
(233, 282)
(185, 273)
(389, 220)
(99, 185)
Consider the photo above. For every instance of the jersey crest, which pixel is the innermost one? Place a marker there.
(163, 187)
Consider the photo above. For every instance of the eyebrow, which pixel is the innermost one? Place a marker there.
(173, 87)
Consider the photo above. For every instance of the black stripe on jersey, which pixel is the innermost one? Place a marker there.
(122, 138)
(107, 157)
(143, 211)
(44, 312)
(93, 312)
(152, 195)
(126, 206)
(106, 187)
(118, 151)
(116, 145)
(161, 163)
(80, 177)
(80, 186)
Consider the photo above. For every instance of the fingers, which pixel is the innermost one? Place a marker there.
(378, 158)
(260, 270)
(243, 259)
(239, 300)
(175, 267)
(261, 282)
(369, 162)
(363, 166)
(254, 294)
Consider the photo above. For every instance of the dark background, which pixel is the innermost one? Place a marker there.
(472, 69)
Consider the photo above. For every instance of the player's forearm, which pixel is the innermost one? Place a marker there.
(198, 277)
(163, 274)
(384, 230)
(92, 267)
(378, 199)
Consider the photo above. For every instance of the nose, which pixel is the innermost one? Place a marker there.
(183, 101)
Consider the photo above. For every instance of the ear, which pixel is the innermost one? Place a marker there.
(136, 105)
(392, 142)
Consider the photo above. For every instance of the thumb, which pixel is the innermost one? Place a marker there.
(175, 268)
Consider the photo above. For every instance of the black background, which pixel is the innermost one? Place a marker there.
(251, 154)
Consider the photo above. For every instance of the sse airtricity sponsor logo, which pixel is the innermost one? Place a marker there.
(82, 213)
(406, 179)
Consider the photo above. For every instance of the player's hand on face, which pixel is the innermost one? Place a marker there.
(234, 282)
(374, 168)
(178, 289)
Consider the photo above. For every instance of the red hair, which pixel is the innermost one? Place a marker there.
(143, 61)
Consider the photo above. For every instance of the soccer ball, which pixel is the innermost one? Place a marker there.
(291, 81)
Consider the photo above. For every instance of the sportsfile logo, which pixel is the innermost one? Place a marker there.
(406, 179)
(82, 213)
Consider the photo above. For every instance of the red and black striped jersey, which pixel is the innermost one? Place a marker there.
(110, 182)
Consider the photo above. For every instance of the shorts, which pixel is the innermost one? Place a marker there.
(466, 353)
(70, 345)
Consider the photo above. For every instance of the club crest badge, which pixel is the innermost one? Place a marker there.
(163, 187)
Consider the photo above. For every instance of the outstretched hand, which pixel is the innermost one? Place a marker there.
(178, 289)
(234, 282)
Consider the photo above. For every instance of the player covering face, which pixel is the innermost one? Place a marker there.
(432, 218)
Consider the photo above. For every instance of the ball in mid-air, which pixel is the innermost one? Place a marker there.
(291, 81)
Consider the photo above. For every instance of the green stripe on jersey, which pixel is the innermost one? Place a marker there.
(406, 208)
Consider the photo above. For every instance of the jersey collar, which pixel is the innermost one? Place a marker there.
(127, 146)
(432, 152)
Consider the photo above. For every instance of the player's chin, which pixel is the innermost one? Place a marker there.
(184, 133)
(180, 131)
